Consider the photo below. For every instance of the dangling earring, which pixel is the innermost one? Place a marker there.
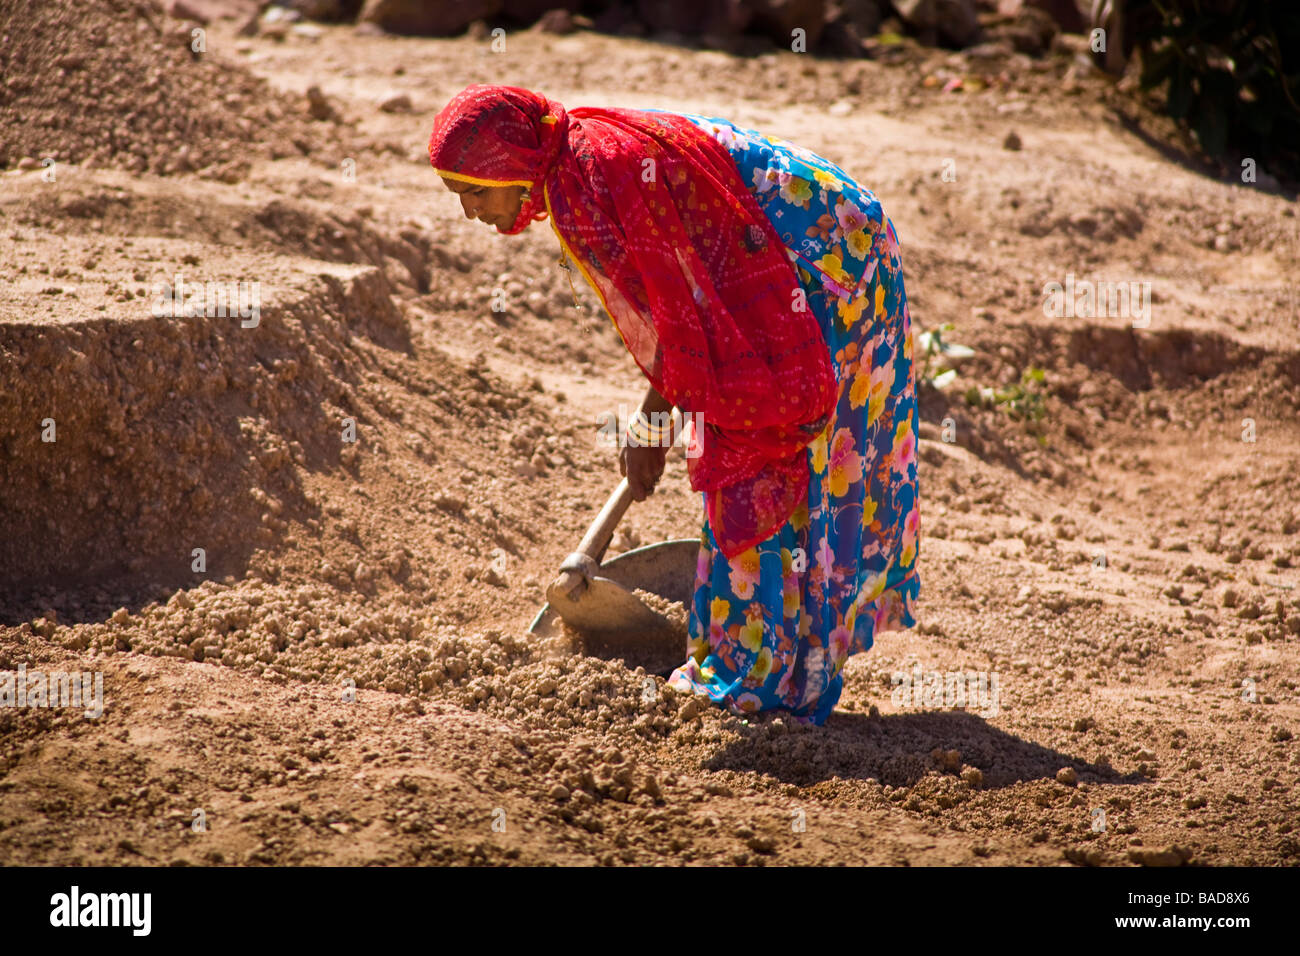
(577, 306)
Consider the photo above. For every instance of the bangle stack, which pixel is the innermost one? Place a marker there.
(643, 434)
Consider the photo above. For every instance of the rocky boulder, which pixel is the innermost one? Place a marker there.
(955, 21)
(848, 23)
(778, 19)
(427, 17)
(206, 11)
(695, 17)
(527, 11)
(1065, 13)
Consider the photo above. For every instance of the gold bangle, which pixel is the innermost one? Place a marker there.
(646, 434)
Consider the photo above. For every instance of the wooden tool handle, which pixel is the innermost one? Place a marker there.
(591, 549)
(585, 561)
(596, 541)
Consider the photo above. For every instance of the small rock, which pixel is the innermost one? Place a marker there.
(761, 843)
(651, 786)
(1172, 856)
(947, 759)
(318, 106)
(448, 502)
(1067, 776)
(1012, 142)
(559, 793)
(282, 15)
(185, 10)
(557, 21)
(396, 103)
(625, 540)
(1085, 856)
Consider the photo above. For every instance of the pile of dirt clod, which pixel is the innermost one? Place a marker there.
(657, 650)
(312, 633)
(117, 83)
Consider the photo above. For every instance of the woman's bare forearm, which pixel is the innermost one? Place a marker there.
(654, 402)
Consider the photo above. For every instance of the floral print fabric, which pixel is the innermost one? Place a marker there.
(772, 628)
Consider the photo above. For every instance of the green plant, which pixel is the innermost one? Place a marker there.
(936, 353)
(1025, 400)
(1232, 71)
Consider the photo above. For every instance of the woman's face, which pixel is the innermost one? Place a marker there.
(496, 205)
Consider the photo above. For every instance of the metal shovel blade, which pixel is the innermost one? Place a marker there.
(607, 604)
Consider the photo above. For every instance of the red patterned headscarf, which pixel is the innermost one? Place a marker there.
(689, 268)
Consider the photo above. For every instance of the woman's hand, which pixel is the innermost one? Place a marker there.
(643, 466)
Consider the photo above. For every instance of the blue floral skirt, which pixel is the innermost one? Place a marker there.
(771, 629)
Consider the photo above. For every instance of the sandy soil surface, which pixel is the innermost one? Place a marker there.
(348, 679)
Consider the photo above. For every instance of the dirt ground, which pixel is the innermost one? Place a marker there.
(1127, 571)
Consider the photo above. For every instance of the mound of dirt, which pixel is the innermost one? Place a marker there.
(101, 485)
(117, 83)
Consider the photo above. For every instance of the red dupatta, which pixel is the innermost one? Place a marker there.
(692, 273)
